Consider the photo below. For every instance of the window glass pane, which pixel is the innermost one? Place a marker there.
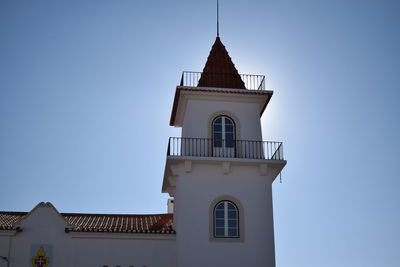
(229, 136)
(229, 140)
(229, 128)
(217, 127)
(220, 223)
(219, 214)
(220, 206)
(228, 121)
(232, 223)
(232, 214)
(217, 139)
(219, 232)
(219, 120)
(232, 232)
(217, 143)
(217, 135)
(231, 206)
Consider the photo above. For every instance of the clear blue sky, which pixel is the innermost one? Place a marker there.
(86, 90)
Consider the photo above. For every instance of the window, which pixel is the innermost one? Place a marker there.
(226, 220)
(223, 132)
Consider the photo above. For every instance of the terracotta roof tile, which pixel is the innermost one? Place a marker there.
(9, 219)
(115, 223)
(219, 70)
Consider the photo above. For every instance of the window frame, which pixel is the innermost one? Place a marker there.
(223, 132)
(226, 220)
(239, 219)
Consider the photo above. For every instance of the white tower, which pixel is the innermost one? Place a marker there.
(220, 171)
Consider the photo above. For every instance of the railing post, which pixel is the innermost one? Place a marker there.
(168, 150)
(183, 73)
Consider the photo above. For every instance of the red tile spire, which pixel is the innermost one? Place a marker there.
(219, 70)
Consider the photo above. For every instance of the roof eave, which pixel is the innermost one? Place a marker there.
(175, 105)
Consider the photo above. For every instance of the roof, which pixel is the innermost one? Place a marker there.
(219, 70)
(8, 220)
(114, 223)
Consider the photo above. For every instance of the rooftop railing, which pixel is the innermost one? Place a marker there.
(251, 82)
(224, 148)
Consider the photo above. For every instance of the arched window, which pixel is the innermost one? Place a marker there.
(223, 132)
(226, 220)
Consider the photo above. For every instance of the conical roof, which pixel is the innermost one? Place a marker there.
(219, 70)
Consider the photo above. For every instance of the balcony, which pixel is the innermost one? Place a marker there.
(222, 80)
(224, 148)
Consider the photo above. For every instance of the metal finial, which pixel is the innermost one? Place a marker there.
(217, 18)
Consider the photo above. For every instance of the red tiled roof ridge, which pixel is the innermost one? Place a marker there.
(110, 214)
(96, 222)
(83, 213)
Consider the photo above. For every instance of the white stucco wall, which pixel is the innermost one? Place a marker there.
(42, 226)
(196, 190)
(5, 237)
(124, 250)
(198, 113)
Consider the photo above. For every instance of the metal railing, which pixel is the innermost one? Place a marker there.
(251, 82)
(224, 148)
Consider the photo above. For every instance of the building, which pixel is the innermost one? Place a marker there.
(219, 175)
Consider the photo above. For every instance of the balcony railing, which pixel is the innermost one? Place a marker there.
(251, 82)
(224, 148)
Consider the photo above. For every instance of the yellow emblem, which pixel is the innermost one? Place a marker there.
(40, 260)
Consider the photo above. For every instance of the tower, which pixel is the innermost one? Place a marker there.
(220, 171)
